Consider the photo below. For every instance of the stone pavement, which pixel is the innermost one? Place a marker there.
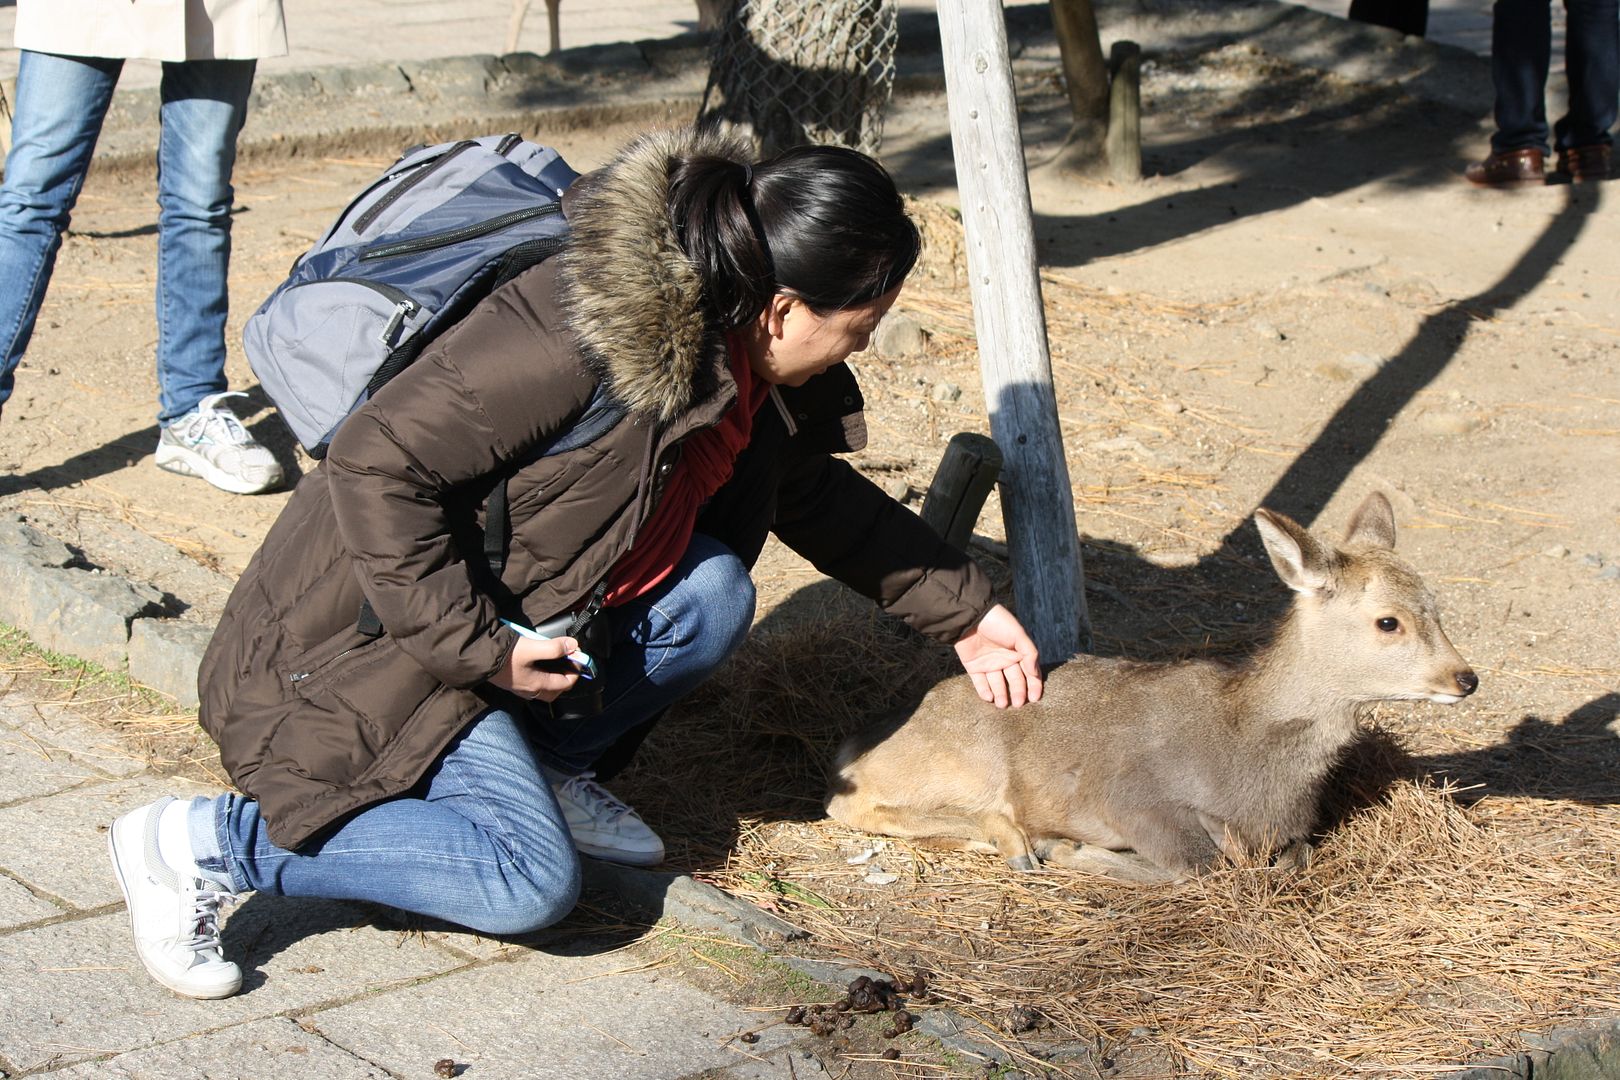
(329, 993)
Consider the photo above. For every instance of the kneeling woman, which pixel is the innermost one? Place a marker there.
(396, 740)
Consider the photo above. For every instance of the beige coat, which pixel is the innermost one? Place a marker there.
(153, 29)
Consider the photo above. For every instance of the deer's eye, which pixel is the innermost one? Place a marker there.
(1389, 624)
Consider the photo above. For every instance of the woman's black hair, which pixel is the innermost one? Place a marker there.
(821, 222)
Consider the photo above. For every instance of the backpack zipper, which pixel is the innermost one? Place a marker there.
(456, 236)
(364, 220)
(404, 306)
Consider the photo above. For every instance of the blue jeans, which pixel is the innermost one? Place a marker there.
(1521, 51)
(61, 102)
(481, 841)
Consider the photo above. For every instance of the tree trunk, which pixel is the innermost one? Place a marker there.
(1085, 75)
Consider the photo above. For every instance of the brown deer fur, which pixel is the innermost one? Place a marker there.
(1178, 763)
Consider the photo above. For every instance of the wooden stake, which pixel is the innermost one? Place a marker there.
(1004, 280)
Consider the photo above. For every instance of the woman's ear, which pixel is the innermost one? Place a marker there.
(774, 318)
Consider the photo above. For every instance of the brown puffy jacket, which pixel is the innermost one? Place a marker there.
(316, 719)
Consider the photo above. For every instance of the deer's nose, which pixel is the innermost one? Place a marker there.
(1468, 681)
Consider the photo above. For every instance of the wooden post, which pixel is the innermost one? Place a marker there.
(1043, 544)
(965, 477)
(1125, 112)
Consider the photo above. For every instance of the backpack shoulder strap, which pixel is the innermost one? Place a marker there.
(601, 415)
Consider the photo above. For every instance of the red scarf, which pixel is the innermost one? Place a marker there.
(706, 462)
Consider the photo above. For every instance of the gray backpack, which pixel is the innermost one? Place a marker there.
(440, 230)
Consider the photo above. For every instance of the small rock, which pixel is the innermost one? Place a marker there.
(946, 392)
(868, 855)
(1610, 573)
(1172, 407)
(898, 490)
(1022, 1018)
(900, 335)
(1364, 362)
(1266, 330)
(1591, 558)
(877, 877)
(1557, 551)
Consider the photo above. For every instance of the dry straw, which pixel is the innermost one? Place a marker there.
(1427, 931)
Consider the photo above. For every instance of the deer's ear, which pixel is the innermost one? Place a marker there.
(1298, 559)
(1373, 524)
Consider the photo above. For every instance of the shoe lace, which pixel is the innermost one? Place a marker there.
(213, 422)
(204, 917)
(604, 804)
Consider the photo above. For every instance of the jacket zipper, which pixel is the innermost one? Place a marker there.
(300, 676)
(456, 236)
(423, 171)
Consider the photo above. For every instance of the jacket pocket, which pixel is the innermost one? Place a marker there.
(373, 690)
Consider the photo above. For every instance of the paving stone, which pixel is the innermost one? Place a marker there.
(275, 1049)
(31, 768)
(58, 843)
(63, 731)
(74, 990)
(562, 1011)
(165, 654)
(19, 906)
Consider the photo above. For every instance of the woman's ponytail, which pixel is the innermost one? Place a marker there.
(712, 206)
(821, 222)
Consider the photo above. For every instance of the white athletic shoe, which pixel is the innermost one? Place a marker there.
(603, 826)
(213, 444)
(174, 911)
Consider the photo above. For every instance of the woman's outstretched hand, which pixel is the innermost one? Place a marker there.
(535, 669)
(1001, 659)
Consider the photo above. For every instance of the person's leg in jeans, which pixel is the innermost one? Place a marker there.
(204, 106)
(664, 644)
(480, 843)
(61, 102)
(1592, 62)
(1521, 46)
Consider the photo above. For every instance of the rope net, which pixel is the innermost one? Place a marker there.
(789, 72)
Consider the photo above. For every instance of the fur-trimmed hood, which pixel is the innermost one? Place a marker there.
(629, 291)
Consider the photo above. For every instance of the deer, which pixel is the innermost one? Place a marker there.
(1155, 771)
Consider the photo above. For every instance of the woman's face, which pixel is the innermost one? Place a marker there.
(791, 343)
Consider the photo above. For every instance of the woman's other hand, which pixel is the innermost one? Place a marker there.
(1001, 659)
(535, 669)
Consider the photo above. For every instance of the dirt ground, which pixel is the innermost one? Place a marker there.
(1303, 303)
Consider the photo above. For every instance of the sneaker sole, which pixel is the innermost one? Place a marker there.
(616, 855)
(157, 976)
(180, 464)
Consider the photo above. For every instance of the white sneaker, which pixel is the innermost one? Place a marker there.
(213, 444)
(603, 826)
(174, 911)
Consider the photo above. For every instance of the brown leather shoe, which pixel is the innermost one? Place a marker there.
(1583, 164)
(1509, 169)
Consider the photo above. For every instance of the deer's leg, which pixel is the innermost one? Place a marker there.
(975, 832)
(1169, 836)
(1296, 856)
(1118, 865)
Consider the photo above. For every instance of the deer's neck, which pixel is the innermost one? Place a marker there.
(1291, 691)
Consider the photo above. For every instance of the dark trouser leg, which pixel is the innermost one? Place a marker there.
(1592, 59)
(1521, 43)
